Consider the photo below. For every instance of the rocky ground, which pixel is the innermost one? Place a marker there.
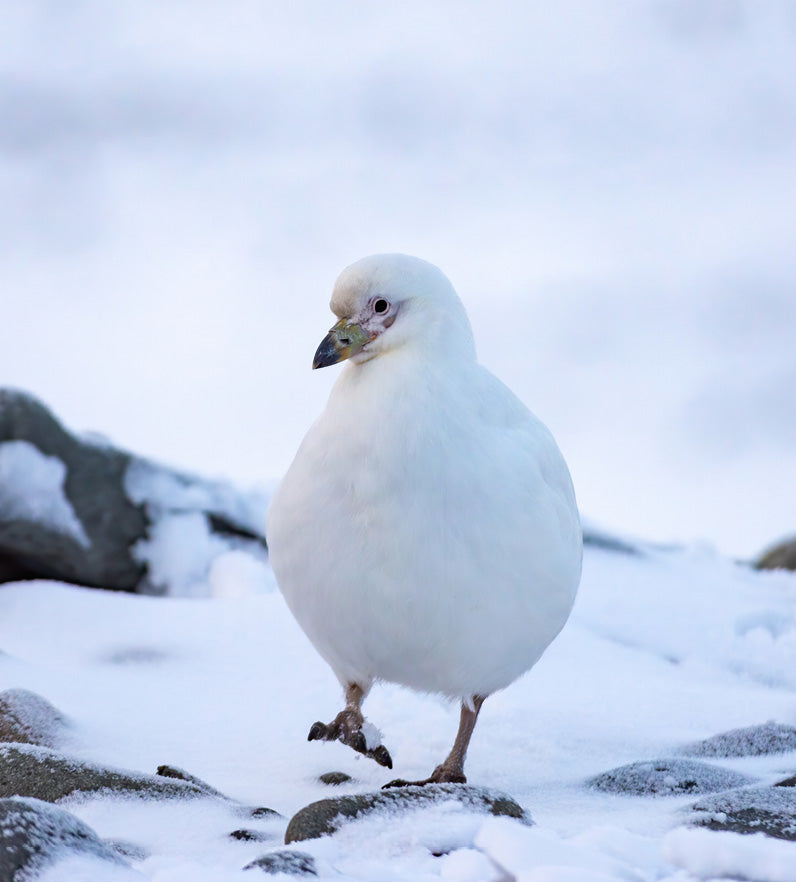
(38, 783)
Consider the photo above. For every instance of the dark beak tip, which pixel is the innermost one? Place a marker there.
(325, 354)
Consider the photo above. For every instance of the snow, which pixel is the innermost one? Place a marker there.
(32, 489)
(709, 855)
(170, 552)
(183, 556)
(656, 656)
(162, 489)
(373, 735)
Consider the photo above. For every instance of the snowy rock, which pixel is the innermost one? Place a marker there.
(667, 777)
(81, 511)
(29, 770)
(750, 741)
(781, 556)
(769, 810)
(35, 545)
(327, 815)
(291, 863)
(28, 718)
(788, 782)
(35, 834)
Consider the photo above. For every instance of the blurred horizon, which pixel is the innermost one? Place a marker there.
(610, 188)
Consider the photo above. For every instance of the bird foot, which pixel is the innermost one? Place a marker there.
(440, 775)
(347, 728)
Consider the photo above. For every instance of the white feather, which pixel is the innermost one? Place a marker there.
(426, 533)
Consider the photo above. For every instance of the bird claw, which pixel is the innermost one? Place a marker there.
(358, 742)
(343, 729)
(440, 775)
(317, 731)
(398, 782)
(382, 756)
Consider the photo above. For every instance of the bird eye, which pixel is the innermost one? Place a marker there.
(380, 306)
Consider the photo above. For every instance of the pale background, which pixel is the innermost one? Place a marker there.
(611, 187)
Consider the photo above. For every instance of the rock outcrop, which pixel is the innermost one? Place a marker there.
(79, 510)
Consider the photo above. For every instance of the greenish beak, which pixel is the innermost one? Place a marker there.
(344, 340)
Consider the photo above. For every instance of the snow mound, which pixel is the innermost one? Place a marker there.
(771, 737)
(709, 855)
(667, 777)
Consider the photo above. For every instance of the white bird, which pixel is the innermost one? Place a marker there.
(426, 532)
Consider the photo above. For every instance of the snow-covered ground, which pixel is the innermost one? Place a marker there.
(662, 649)
(610, 186)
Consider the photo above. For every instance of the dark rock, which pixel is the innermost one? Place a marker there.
(35, 834)
(179, 774)
(28, 770)
(93, 485)
(30, 719)
(113, 515)
(250, 836)
(325, 816)
(292, 863)
(750, 741)
(334, 778)
(769, 810)
(667, 777)
(788, 782)
(781, 556)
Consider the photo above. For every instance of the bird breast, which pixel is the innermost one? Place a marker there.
(420, 540)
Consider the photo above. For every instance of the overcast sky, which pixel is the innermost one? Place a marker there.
(611, 187)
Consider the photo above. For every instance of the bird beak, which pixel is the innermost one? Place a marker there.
(343, 340)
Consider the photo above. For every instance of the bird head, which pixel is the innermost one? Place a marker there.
(391, 301)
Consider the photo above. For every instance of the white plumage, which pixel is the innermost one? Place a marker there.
(426, 532)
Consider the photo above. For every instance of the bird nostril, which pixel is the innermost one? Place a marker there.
(345, 341)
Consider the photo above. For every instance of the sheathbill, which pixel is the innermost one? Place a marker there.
(426, 533)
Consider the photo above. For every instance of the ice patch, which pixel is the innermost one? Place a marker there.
(32, 489)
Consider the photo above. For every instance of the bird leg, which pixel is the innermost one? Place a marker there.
(451, 770)
(347, 727)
